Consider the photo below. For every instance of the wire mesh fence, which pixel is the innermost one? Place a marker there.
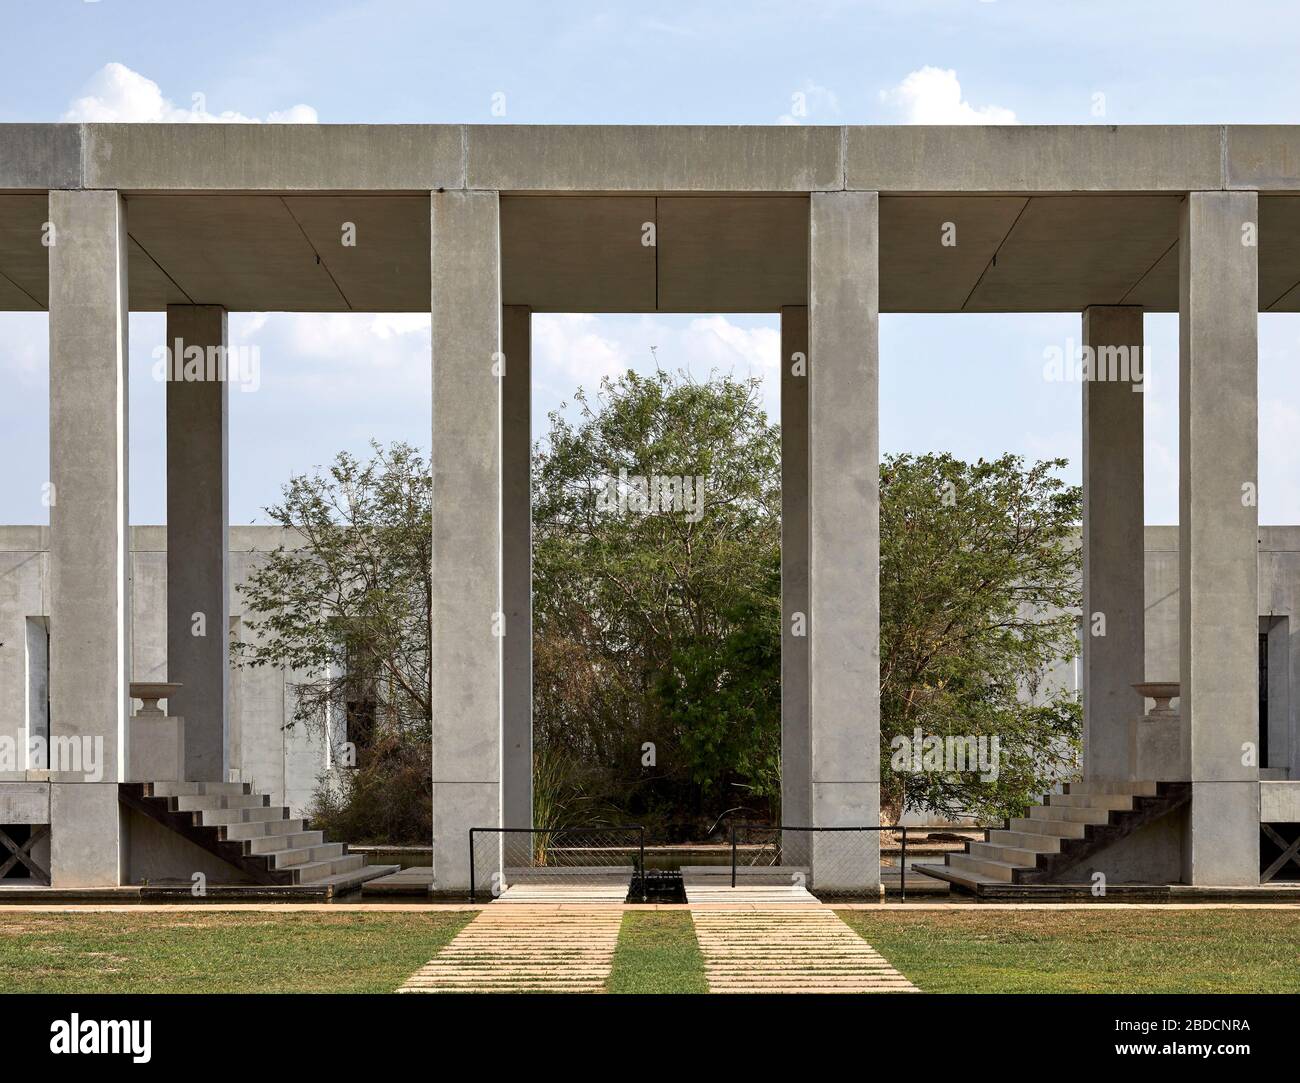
(583, 856)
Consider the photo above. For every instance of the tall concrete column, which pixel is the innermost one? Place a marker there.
(90, 587)
(517, 570)
(844, 538)
(1218, 530)
(1114, 613)
(468, 622)
(796, 767)
(198, 523)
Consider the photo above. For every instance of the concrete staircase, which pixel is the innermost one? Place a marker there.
(1059, 834)
(245, 830)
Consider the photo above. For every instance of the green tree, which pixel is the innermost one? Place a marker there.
(343, 605)
(648, 624)
(979, 588)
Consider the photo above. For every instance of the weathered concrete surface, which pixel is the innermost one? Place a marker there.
(273, 157)
(466, 461)
(40, 156)
(796, 748)
(625, 158)
(285, 761)
(198, 520)
(517, 570)
(90, 634)
(86, 840)
(1113, 550)
(1218, 531)
(1027, 158)
(24, 803)
(844, 528)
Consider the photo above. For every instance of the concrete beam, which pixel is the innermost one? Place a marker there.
(198, 524)
(273, 157)
(1218, 530)
(1113, 552)
(517, 570)
(844, 541)
(796, 749)
(467, 626)
(1024, 158)
(40, 156)
(90, 589)
(652, 158)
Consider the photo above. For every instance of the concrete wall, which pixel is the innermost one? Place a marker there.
(286, 763)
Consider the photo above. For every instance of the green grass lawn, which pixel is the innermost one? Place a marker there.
(1089, 951)
(657, 953)
(969, 950)
(190, 951)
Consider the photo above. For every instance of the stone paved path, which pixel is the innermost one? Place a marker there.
(805, 949)
(523, 948)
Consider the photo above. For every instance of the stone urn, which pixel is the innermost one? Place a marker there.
(1160, 691)
(149, 693)
(156, 743)
(1157, 749)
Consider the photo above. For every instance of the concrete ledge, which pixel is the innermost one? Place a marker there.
(1279, 802)
(24, 803)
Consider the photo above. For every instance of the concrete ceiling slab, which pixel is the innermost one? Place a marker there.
(24, 259)
(1067, 252)
(919, 273)
(245, 252)
(1279, 253)
(387, 269)
(723, 254)
(581, 254)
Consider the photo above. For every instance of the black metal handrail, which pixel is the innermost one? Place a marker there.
(738, 826)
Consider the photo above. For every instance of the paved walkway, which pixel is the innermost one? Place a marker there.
(804, 949)
(519, 949)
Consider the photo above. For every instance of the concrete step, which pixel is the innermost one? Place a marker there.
(1145, 789)
(1122, 802)
(269, 844)
(178, 789)
(257, 829)
(970, 881)
(343, 882)
(202, 801)
(1011, 855)
(1025, 840)
(306, 855)
(312, 872)
(1081, 815)
(994, 870)
(1066, 829)
(219, 816)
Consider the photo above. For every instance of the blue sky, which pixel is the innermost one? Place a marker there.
(970, 384)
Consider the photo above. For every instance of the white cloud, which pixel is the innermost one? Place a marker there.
(118, 94)
(572, 348)
(725, 345)
(933, 96)
(812, 100)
